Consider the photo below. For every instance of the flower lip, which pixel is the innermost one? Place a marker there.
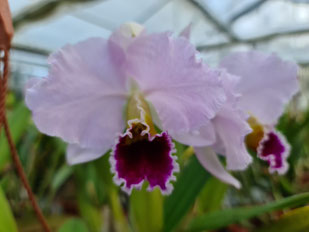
(139, 156)
(274, 149)
(142, 154)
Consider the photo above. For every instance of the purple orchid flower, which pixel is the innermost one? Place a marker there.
(98, 88)
(267, 85)
(257, 86)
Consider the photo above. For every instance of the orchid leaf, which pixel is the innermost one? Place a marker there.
(18, 121)
(146, 210)
(218, 219)
(74, 225)
(212, 195)
(189, 184)
(295, 220)
(7, 221)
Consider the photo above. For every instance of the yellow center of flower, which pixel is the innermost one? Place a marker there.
(253, 139)
(138, 112)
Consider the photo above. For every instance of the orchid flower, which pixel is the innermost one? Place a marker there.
(103, 95)
(258, 86)
(267, 85)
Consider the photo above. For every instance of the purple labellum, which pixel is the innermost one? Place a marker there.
(274, 149)
(138, 156)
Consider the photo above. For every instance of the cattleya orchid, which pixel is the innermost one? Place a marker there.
(131, 82)
(258, 86)
(267, 85)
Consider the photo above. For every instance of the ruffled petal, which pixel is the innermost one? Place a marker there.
(267, 83)
(82, 99)
(138, 156)
(184, 92)
(209, 160)
(275, 150)
(76, 154)
(231, 127)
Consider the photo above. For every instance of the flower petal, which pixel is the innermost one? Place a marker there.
(76, 154)
(275, 149)
(205, 136)
(184, 92)
(209, 160)
(267, 83)
(231, 127)
(82, 99)
(138, 156)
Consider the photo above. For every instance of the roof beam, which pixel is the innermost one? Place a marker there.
(255, 40)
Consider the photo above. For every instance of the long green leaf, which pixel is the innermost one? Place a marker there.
(7, 221)
(146, 210)
(295, 220)
(18, 121)
(223, 218)
(74, 225)
(189, 184)
(212, 195)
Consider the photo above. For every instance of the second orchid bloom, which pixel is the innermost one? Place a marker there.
(135, 92)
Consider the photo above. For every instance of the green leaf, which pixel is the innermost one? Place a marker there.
(188, 186)
(61, 176)
(295, 220)
(7, 221)
(146, 210)
(18, 121)
(211, 197)
(74, 225)
(90, 213)
(223, 218)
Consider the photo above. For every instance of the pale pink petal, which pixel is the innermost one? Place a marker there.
(76, 154)
(231, 127)
(82, 99)
(267, 83)
(209, 160)
(205, 136)
(184, 92)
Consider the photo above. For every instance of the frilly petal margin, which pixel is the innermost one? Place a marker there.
(267, 83)
(231, 127)
(185, 93)
(76, 154)
(139, 156)
(210, 161)
(82, 99)
(274, 149)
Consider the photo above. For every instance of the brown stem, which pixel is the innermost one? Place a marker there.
(15, 157)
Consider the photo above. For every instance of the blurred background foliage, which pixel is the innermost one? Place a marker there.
(83, 197)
